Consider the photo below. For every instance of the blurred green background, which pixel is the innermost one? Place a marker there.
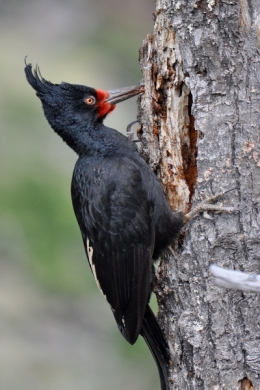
(56, 330)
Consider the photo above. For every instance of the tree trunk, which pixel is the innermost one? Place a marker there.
(200, 134)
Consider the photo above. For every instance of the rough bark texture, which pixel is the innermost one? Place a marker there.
(200, 133)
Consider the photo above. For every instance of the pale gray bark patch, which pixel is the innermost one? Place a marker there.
(235, 279)
(207, 50)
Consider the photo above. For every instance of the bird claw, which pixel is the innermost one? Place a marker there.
(215, 197)
(206, 215)
(130, 134)
(206, 205)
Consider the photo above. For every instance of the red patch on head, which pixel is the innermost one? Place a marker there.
(101, 95)
(104, 107)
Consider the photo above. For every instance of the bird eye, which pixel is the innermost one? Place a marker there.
(90, 100)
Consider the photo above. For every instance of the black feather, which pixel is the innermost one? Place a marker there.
(155, 340)
(35, 79)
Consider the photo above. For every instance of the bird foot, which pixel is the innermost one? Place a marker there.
(129, 133)
(206, 205)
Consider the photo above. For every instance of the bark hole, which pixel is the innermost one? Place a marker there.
(189, 154)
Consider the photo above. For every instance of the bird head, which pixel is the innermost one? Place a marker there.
(71, 104)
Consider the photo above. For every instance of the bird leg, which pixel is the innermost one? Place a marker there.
(206, 205)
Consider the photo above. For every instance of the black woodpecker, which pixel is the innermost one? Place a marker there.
(122, 212)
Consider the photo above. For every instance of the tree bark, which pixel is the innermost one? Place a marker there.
(200, 134)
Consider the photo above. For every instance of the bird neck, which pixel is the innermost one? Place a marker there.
(90, 139)
(73, 131)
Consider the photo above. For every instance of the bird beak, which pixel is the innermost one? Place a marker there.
(119, 95)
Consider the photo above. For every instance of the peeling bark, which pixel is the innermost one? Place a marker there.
(166, 116)
(200, 133)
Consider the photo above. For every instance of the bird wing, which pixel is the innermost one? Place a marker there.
(115, 218)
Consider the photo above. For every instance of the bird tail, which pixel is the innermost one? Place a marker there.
(157, 344)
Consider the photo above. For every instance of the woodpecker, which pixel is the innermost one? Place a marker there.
(122, 212)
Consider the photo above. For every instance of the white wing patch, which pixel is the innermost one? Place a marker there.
(92, 265)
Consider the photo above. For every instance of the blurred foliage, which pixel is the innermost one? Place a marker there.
(91, 42)
(43, 209)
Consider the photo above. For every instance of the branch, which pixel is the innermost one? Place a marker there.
(235, 279)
